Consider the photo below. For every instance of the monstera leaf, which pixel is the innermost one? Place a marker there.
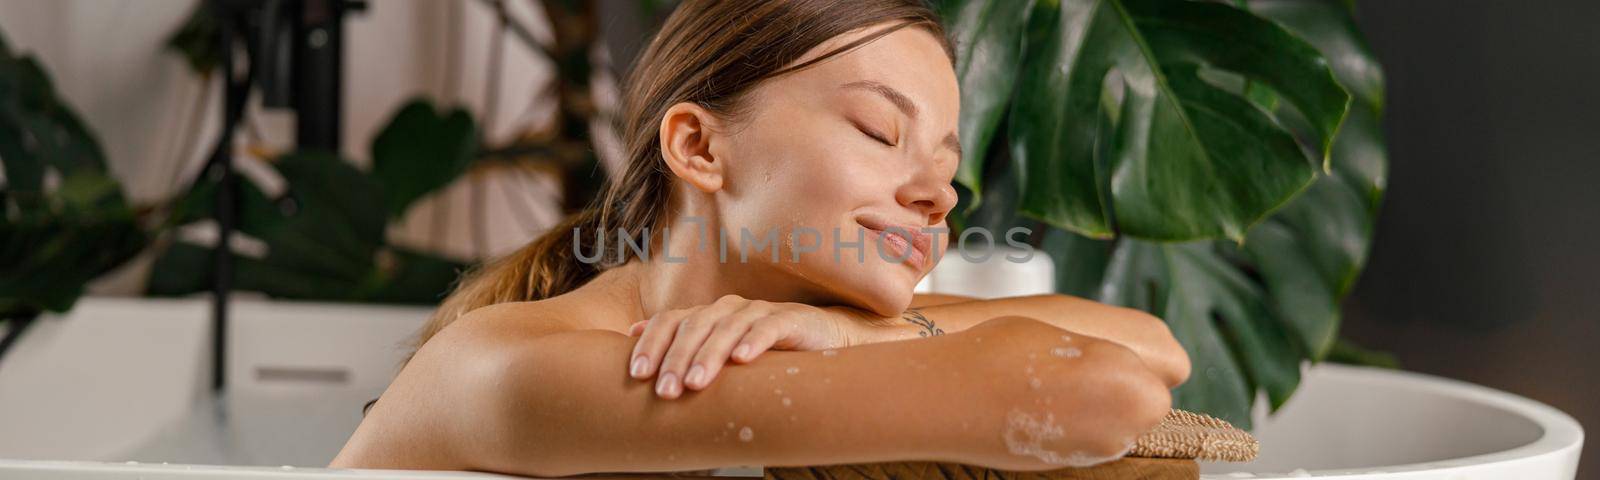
(1197, 160)
(63, 218)
(326, 234)
(1118, 100)
(420, 151)
(324, 237)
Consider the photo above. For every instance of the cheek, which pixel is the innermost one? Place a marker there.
(800, 180)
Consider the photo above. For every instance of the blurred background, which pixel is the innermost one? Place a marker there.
(1483, 268)
(1485, 265)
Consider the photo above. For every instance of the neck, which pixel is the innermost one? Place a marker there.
(680, 275)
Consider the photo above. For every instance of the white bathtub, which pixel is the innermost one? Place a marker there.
(122, 380)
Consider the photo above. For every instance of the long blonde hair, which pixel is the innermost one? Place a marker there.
(710, 52)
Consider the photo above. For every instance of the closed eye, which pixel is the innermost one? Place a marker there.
(881, 138)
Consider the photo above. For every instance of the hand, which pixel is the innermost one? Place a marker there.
(703, 338)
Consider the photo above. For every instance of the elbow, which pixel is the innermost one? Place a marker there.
(1133, 398)
(1127, 399)
(1164, 355)
(1100, 387)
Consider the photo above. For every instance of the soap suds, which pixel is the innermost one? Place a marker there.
(1026, 435)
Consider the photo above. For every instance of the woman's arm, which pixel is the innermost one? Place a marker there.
(931, 299)
(1002, 394)
(1145, 334)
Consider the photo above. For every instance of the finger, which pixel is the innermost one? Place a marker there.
(709, 360)
(690, 335)
(653, 339)
(637, 327)
(762, 336)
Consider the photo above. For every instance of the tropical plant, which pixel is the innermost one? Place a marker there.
(63, 218)
(325, 236)
(1219, 165)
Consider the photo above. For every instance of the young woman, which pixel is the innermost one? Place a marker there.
(836, 117)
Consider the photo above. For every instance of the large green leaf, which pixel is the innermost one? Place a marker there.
(54, 236)
(324, 238)
(1310, 253)
(420, 151)
(988, 51)
(1220, 316)
(46, 261)
(1188, 159)
(1249, 313)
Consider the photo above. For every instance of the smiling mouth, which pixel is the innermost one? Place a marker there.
(906, 243)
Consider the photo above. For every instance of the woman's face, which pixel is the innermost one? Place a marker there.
(849, 161)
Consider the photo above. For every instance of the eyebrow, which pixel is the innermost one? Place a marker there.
(902, 102)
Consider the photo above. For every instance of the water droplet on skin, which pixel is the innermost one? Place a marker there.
(1066, 338)
(793, 370)
(730, 424)
(980, 340)
(1032, 356)
(746, 434)
(829, 353)
(772, 377)
(1035, 383)
(1030, 369)
(1067, 352)
(786, 401)
(777, 391)
(672, 456)
(827, 380)
(793, 418)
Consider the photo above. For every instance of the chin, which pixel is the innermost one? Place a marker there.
(885, 295)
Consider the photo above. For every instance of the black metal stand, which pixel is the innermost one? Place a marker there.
(282, 39)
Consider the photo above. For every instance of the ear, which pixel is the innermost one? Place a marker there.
(686, 133)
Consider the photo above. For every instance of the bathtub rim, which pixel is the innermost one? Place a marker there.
(1560, 439)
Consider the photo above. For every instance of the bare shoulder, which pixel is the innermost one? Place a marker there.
(520, 321)
(441, 405)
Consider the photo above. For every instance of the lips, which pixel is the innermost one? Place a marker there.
(910, 242)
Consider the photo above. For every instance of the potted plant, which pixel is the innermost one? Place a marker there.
(1219, 165)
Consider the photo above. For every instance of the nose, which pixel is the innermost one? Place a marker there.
(929, 194)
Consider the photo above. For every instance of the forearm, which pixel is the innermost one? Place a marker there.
(1146, 335)
(790, 408)
(930, 400)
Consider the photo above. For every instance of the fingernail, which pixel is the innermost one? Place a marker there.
(742, 351)
(637, 369)
(696, 376)
(668, 385)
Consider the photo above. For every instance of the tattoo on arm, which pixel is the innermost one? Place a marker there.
(916, 317)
